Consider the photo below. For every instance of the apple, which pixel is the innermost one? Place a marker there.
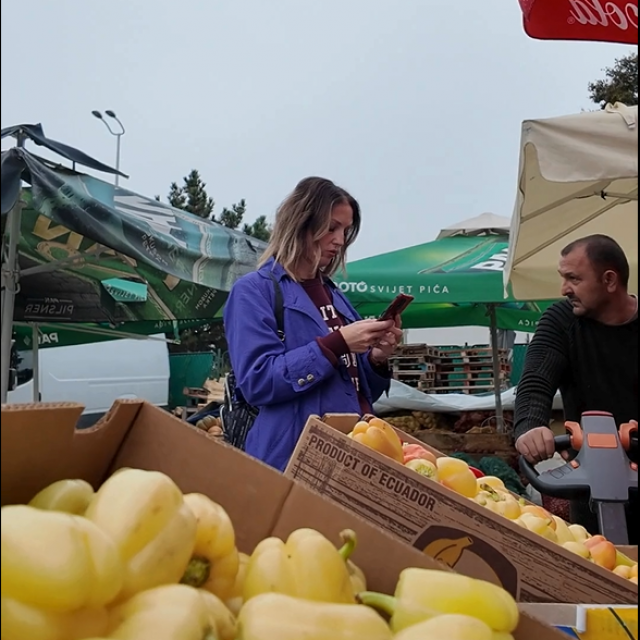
(604, 554)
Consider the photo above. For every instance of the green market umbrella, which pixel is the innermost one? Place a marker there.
(456, 281)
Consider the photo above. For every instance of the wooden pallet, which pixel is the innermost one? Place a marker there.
(466, 389)
(423, 350)
(472, 352)
(471, 367)
(412, 364)
(467, 385)
(421, 376)
(409, 377)
(470, 376)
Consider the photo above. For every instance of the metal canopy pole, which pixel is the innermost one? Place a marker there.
(36, 362)
(497, 382)
(10, 279)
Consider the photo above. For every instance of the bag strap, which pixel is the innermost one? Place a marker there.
(279, 306)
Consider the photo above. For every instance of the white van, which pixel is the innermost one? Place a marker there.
(96, 374)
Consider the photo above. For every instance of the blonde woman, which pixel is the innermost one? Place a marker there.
(326, 359)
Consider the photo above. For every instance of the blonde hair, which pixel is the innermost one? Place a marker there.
(302, 220)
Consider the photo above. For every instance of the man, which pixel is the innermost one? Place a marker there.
(587, 347)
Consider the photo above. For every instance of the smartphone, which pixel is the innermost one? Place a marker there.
(397, 306)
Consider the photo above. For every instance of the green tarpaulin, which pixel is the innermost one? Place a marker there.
(118, 256)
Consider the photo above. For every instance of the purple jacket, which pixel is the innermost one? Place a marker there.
(288, 381)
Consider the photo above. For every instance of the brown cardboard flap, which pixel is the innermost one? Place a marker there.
(343, 422)
(248, 490)
(453, 529)
(40, 445)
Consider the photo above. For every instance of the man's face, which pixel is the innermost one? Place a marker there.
(585, 288)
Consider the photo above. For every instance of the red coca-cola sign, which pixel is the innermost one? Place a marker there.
(596, 20)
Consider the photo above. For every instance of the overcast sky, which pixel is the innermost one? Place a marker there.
(415, 106)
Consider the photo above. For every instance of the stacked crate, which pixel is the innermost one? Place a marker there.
(415, 365)
(459, 370)
(470, 370)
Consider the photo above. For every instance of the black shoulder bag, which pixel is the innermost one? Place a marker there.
(236, 414)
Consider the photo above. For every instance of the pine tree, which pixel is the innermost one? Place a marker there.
(176, 197)
(194, 192)
(232, 218)
(192, 196)
(260, 229)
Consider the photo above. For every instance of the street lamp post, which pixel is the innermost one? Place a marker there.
(118, 134)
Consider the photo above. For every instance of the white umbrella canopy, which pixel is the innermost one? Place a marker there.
(578, 176)
(484, 224)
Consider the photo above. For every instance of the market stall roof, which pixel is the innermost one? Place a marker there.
(578, 176)
(482, 225)
(81, 237)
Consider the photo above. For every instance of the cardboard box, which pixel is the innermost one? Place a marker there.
(443, 524)
(589, 622)
(40, 445)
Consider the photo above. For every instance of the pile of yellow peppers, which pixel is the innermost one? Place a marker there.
(139, 560)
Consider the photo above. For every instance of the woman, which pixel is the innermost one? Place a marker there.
(329, 360)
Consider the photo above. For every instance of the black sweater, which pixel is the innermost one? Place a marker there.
(595, 367)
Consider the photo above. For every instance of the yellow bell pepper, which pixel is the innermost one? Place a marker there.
(155, 531)
(234, 602)
(623, 560)
(56, 561)
(422, 594)
(451, 626)
(70, 496)
(357, 576)
(171, 612)
(306, 566)
(22, 621)
(215, 561)
(273, 616)
(501, 503)
(379, 436)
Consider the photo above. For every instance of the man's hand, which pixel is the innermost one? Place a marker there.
(536, 445)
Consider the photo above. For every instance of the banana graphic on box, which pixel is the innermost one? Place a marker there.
(448, 551)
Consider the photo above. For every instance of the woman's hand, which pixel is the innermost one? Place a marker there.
(387, 345)
(362, 335)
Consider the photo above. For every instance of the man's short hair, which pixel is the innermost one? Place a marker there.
(604, 253)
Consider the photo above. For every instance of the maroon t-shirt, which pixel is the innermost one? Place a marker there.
(333, 345)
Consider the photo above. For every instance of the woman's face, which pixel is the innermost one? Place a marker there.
(332, 242)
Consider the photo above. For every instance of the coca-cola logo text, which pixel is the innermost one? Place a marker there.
(623, 15)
